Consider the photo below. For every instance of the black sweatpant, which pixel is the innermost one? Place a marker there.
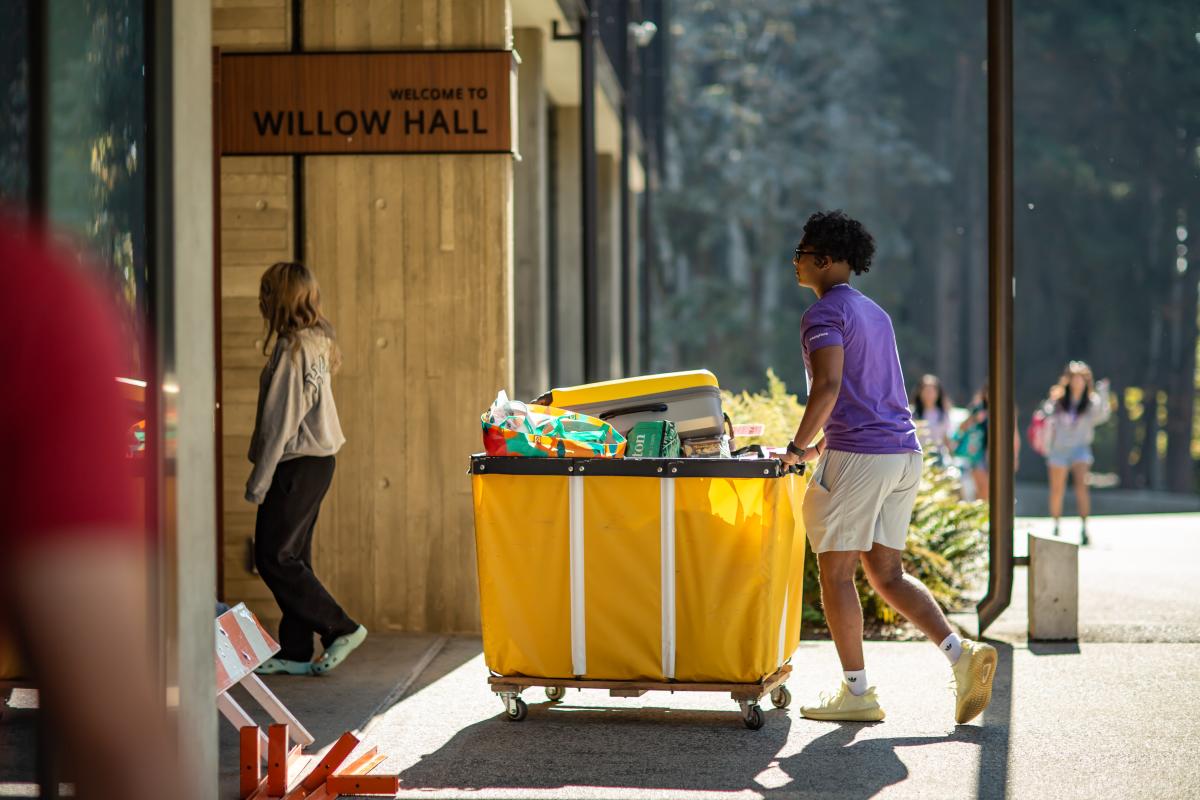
(283, 534)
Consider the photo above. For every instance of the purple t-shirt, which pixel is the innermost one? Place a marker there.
(871, 414)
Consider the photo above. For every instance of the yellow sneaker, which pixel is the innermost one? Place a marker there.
(845, 706)
(973, 674)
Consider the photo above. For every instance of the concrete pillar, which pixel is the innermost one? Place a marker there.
(568, 303)
(633, 292)
(531, 299)
(608, 263)
(1053, 589)
(188, 589)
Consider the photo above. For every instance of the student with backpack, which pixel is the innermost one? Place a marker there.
(1070, 415)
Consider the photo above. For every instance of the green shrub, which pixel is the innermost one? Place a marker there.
(946, 538)
(777, 410)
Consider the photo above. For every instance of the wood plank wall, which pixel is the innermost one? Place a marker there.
(257, 213)
(414, 256)
(241, 25)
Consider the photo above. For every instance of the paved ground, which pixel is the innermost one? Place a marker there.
(1139, 579)
(1111, 716)
(1033, 500)
(1045, 734)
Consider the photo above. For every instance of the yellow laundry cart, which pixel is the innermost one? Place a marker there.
(635, 575)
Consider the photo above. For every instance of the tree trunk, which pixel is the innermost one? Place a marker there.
(1124, 443)
(1181, 403)
(1148, 460)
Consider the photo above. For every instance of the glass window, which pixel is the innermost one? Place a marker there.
(96, 149)
(14, 102)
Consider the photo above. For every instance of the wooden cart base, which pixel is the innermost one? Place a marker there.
(747, 695)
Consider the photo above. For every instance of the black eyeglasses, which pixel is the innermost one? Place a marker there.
(801, 252)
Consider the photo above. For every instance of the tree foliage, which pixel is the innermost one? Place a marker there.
(782, 107)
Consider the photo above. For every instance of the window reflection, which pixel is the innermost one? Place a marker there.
(14, 102)
(96, 148)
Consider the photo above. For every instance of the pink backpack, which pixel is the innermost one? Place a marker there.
(1039, 433)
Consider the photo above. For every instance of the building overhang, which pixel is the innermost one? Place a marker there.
(562, 67)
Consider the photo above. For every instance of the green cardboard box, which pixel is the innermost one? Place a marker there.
(653, 439)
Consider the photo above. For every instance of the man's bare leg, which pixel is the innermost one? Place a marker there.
(903, 592)
(856, 700)
(843, 610)
(973, 663)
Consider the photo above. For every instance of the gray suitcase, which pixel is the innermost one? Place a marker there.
(691, 400)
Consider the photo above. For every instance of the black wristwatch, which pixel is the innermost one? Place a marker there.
(798, 452)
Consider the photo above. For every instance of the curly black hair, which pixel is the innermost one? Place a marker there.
(840, 238)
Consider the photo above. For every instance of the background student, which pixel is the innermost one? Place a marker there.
(296, 434)
(1075, 407)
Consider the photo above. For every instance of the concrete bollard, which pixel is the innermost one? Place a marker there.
(1053, 589)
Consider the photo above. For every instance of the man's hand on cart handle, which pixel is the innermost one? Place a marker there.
(798, 455)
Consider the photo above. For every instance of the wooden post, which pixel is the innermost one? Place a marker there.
(251, 761)
(340, 751)
(386, 785)
(277, 760)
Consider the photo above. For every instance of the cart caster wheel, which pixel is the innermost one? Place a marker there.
(555, 694)
(781, 697)
(754, 718)
(517, 710)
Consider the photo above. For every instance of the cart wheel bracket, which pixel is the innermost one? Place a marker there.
(752, 714)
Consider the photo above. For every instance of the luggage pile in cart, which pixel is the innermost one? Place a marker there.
(640, 574)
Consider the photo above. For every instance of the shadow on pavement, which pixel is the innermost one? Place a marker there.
(835, 766)
(1054, 648)
(686, 749)
(644, 748)
(994, 733)
(386, 668)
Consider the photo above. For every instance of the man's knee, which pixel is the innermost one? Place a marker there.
(837, 567)
(883, 573)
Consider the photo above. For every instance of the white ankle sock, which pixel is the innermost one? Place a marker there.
(951, 647)
(857, 681)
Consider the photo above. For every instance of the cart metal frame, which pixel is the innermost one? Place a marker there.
(747, 695)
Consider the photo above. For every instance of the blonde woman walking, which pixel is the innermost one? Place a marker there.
(296, 434)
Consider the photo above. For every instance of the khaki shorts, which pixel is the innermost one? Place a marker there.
(857, 499)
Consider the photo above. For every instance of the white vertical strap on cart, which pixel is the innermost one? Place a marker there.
(667, 540)
(783, 630)
(578, 632)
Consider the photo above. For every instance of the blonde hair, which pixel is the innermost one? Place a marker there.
(290, 301)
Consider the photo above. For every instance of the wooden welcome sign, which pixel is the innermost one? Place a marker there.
(327, 103)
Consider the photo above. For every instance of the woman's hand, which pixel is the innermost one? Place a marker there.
(788, 459)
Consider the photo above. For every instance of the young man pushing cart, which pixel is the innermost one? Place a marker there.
(862, 491)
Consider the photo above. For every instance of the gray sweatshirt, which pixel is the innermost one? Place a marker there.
(296, 413)
(1068, 431)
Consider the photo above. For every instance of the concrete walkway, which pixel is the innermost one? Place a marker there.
(1113, 716)
(1066, 721)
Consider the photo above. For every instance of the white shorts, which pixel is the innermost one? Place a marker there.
(856, 499)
